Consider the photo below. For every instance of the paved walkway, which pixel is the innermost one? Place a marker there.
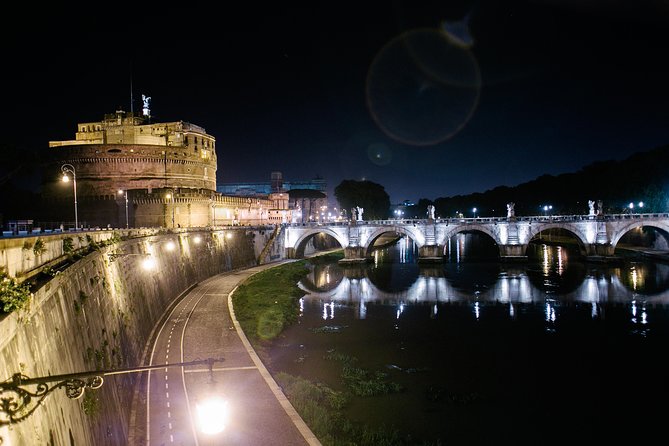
(261, 413)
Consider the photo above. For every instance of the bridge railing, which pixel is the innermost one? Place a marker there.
(484, 220)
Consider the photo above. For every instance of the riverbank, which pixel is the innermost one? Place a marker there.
(322, 408)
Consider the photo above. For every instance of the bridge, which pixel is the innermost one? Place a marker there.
(597, 235)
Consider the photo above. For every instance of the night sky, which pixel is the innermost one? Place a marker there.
(427, 99)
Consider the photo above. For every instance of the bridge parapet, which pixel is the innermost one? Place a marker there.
(596, 234)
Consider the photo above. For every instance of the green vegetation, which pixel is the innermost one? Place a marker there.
(327, 258)
(268, 301)
(39, 247)
(13, 295)
(362, 382)
(90, 403)
(68, 245)
(323, 410)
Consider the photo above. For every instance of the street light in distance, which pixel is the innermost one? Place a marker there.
(69, 168)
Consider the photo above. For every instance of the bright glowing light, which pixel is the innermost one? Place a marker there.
(400, 310)
(197, 239)
(168, 195)
(228, 235)
(212, 415)
(170, 246)
(641, 204)
(148, 263)
(66, 178)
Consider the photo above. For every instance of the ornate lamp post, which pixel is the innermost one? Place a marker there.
(18, 400)
(69, 168)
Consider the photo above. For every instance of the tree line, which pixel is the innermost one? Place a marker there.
(641, 178)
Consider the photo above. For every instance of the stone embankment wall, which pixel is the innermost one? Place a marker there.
(99, 313)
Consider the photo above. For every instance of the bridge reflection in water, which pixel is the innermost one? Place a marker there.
(488, 352)
(509, 284)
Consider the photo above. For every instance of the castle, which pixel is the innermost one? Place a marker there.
(166, 170)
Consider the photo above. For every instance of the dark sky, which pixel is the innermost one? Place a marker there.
(364, 90)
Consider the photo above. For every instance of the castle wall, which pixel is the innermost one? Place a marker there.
(104, 169)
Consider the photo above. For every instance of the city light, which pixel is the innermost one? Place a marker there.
(213, 415)
(170, 196)
(125, 195)
(69, 168)
(149, 263)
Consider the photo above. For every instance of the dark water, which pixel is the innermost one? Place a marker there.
(555, 351)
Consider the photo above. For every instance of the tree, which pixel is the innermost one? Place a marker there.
(421, 207)
(370, 196)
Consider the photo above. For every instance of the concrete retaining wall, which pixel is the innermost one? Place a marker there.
(98, 314)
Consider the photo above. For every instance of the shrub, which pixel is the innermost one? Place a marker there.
(13, 295)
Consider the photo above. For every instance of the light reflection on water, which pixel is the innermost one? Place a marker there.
(555, 339)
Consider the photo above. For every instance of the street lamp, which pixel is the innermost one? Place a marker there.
(474, 211)
(170, 196)
(125, 195)
(19, 401)
(69, 168)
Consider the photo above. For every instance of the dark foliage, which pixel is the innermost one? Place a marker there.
(372, 197)
(641, 177)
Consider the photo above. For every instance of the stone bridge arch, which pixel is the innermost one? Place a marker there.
(410, 231)
(443, 241)
(581, 238)
(302, 240)
(625, 228)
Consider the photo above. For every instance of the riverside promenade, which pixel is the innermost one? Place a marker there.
(260, 412)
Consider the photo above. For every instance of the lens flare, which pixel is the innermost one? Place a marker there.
(423, 87)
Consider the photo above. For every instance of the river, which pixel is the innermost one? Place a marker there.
(551, 351)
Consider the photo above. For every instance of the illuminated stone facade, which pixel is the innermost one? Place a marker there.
(166, 170)
(123, 152)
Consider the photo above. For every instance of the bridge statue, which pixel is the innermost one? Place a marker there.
(510, 213)
(360, 211)
(600, 207)
(591, 205)
(430, 212)
(353, 214)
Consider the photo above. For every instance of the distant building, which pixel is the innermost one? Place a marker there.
(167, 170)
(275, 184)
(301, 201)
